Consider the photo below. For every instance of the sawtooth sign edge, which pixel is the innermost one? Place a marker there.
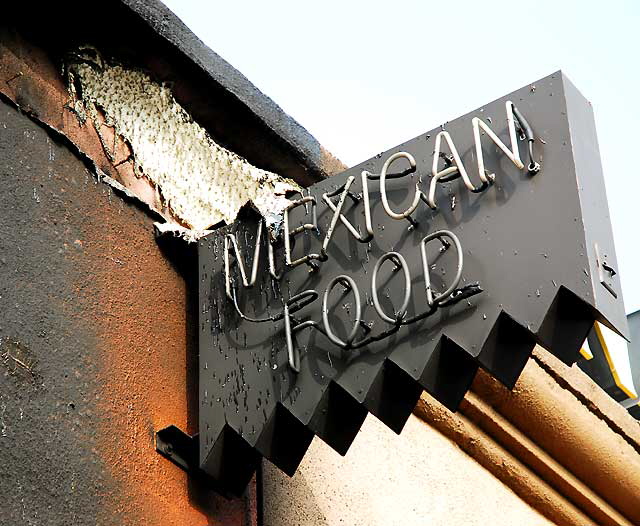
(529, 251)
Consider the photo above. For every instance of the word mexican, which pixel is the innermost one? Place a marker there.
(453, 169)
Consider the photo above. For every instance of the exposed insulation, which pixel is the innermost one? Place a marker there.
(200, 182)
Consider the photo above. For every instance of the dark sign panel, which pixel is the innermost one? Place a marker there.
(459, 249)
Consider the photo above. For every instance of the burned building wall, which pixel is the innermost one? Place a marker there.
(97, 349)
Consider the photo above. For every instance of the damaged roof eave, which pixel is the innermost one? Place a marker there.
(220, 143)
(146, 35)
(303, 146)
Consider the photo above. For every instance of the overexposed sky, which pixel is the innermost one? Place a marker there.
(365, 76)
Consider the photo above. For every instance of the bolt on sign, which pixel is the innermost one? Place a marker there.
(461, 248)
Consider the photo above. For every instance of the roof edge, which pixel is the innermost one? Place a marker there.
(173, 30)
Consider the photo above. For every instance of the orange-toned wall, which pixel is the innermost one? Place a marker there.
(104, 321)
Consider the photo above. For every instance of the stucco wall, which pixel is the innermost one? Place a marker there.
(98, 350)
(416, 478)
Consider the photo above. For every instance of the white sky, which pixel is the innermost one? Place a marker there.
(365, 76)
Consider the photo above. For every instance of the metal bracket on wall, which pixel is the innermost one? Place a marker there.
(184, 450)
(180, 448)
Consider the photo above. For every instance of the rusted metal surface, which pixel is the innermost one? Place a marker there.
(102, 319)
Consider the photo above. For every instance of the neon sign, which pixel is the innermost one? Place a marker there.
(454, 168)
(405, 273)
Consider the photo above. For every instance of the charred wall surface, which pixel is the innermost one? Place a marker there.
(97, 349)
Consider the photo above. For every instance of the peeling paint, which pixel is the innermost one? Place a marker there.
(16, 358)
(200, 183)
(188, 234)
(3, 425)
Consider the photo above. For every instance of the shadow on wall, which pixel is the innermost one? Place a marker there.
(184, 258)
(282, 490)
